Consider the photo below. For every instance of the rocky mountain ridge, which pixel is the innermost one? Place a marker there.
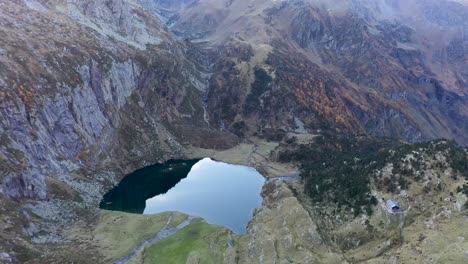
(353, 56)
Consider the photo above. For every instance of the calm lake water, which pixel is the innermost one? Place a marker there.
(221, 193)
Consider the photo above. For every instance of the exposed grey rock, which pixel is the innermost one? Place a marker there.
(29, 184)
(68, 123)
(35, 5)
(112, 13)
(115, 19)
(275, 232)
(5, 257)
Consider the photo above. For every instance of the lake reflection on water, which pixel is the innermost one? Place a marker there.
(221, 193)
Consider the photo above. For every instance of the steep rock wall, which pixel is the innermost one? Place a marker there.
(74, 98)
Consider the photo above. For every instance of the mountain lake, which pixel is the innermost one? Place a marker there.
(221, 193)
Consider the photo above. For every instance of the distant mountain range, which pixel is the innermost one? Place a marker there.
(388, 68)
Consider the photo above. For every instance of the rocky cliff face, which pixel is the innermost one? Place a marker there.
(88, 84)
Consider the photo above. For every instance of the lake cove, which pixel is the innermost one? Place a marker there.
(131, 193)
(221, 193)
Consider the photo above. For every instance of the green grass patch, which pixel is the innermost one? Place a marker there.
(118, 233)
(199, 242)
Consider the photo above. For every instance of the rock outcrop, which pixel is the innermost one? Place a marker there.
(282, 229)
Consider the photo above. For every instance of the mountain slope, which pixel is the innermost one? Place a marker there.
(89, 84)
(362, 66)
(90, 90)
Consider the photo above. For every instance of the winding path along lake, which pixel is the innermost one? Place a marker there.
(221, 193)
